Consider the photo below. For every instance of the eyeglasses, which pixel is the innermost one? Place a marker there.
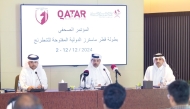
(168, 95)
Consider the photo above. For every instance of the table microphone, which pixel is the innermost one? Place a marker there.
(114, 68)
(107, 75)
(85, 74)
(38, 79)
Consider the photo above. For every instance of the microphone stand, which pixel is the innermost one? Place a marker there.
(107, 75)
(39, 80)
(116, 77)
(85, 83)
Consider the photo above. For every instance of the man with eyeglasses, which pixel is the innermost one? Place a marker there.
(159, 72)
(179, 95)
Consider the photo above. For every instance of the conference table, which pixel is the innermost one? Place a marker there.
(136, 99)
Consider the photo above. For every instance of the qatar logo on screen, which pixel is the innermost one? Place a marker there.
(41, 15)
(117, 13)
(71, 14)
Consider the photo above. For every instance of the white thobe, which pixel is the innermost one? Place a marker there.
(156, 74)
(28, 77)
(97, 76)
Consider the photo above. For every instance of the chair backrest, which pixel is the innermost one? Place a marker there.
(16, 82)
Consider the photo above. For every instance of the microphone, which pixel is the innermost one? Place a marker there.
(107, 75)
(114, 68)
(38, 79)
(86, 73)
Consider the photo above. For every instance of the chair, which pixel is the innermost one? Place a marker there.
(16, 82)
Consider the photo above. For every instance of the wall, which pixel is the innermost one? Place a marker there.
(0, 50)
(156, 6)
(10, 44)
(168, 33)
(166, 30)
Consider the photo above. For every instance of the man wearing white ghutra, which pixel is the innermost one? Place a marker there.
(99, 75)
(30, 72)
(159, 72)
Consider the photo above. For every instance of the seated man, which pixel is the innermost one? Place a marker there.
(114, 96)
(179, 95)
(99, 75)
(27, 101)
(159, 72)
(28, 77)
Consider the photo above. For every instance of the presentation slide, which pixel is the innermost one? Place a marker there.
(69, 34)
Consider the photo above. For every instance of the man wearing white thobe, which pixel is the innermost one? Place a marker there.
(159, 72)
(30, 72)
(99, 75)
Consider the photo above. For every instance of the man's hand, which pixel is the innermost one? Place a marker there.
(99, 85)
(39, 87)
(29, 88)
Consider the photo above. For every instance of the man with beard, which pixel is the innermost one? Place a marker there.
(99, 75)
(159, 72)
(30, 72)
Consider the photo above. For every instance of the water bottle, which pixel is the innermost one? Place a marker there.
(92, 85)
(161, 82)
(18, 87)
